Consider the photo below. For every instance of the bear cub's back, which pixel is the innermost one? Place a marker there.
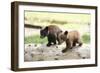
(53, 29)
(72, 35)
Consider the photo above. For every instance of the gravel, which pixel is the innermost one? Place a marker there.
(40, 52)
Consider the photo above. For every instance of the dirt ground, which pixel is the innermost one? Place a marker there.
(40, 52)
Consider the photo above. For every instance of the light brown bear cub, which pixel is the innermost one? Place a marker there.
(71, 38)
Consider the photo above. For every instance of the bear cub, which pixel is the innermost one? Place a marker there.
(71, 38)
(51, 32)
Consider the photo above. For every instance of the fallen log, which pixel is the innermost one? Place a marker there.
(33, 26)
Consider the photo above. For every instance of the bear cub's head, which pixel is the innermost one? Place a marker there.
(63, 36)
(44, 32)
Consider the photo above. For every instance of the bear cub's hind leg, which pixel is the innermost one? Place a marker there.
(79, 42)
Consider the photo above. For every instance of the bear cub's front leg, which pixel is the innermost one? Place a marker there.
(51, 40)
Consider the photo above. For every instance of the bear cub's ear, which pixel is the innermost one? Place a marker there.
(66, 32)
(46, 28)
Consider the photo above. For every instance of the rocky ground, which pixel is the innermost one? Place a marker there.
(40, 52)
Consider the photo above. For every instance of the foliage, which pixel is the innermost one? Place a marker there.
(35, 39)
(86, 38)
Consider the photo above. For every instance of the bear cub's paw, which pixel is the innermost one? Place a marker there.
(48, 45)
(64, 50)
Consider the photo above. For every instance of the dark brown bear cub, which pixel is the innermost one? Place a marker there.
(71, 38)
(51, 32)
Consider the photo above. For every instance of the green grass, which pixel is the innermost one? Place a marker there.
(73, 26)
(56, 18)
(86, 38)
(63, 20)
(35, 39)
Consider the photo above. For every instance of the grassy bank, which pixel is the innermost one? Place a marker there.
(36, 39)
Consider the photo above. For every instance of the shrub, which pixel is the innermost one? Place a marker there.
(86, 38)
